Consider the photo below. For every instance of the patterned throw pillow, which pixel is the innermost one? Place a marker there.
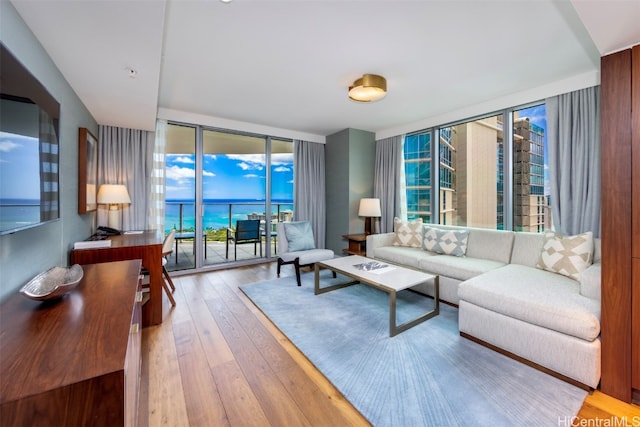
(566, 255)
(299, 236)
(446, 242)
(407, 234)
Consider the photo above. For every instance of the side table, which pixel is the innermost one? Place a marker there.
(357, 244)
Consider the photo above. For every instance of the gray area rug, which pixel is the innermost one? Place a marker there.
(425, 376)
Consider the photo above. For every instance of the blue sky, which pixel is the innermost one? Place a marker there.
(229, 176)
(19, 167)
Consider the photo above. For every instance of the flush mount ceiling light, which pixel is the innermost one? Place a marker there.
(368, 88)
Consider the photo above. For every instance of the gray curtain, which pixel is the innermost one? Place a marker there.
(125, 156)
(309, 202)
(388, 185)
(573, 125)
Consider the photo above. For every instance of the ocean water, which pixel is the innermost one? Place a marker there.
(217, 213)
(16, 213)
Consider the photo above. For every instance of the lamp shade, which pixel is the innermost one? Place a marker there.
(113, 194)
(368, 88)
(369, 207)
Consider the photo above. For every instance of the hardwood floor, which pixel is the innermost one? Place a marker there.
(216, 360)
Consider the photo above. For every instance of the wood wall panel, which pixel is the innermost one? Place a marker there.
(635, 336)
(615, 91)
(635, 135)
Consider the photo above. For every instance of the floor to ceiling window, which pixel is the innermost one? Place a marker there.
(472, 178)
(474, 156)
(219, 189)
(417, 170)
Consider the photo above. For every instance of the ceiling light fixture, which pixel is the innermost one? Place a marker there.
(368, 88)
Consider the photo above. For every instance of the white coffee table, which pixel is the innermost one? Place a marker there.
(391, 279)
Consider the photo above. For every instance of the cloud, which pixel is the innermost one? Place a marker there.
(207, 173)
(7, 146)
(281, 169)
(183, 159)
(251, 175)
(180, 174)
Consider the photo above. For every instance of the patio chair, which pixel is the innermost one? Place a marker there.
(247, 231)
(297, 247)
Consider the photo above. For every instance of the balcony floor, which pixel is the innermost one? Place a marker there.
(215, 254)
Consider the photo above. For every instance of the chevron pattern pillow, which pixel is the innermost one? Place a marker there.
(445, 242)
(407, 234)
(566, 255)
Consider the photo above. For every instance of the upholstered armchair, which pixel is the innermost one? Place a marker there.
(297, 246)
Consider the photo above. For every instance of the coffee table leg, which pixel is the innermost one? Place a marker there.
(396, 329)
(317, 290)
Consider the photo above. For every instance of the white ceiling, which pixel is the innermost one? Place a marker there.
(288, 63)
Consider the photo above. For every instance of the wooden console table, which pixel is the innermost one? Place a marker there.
(146, 246)
(74, 361)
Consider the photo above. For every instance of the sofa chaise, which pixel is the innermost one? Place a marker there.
(514, 290)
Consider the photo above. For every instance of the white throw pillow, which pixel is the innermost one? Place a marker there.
(446, 242)
(407, 234)
(566, 255)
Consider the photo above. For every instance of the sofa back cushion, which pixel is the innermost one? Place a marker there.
(495, 245)
(484, 243)
(526, 248)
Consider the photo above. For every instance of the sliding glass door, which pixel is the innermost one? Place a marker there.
(239, 185)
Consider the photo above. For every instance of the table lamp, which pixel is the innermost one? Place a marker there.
(369, 208)
(113, 195)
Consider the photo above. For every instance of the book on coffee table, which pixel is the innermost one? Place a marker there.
(374, 267)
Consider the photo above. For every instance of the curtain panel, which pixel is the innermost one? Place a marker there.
(309, 201)
(389, 185)
(573, 126)
(157, 182)
(125, 156)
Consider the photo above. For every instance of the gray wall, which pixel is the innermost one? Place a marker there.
(28, 252)
(350, 158)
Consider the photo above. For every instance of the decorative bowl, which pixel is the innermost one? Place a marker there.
(53, 283)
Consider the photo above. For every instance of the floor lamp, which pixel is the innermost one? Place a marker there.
(114, 196)
(369, 208)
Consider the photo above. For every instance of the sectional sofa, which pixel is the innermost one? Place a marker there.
(532, 296)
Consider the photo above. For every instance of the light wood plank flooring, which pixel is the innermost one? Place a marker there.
(216, 360)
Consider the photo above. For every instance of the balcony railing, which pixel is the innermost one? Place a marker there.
(217, 218)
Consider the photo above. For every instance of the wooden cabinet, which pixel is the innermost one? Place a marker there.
(75, 361)
(357, 244)
(620, 201)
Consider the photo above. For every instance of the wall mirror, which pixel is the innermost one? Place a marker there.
(87, 171)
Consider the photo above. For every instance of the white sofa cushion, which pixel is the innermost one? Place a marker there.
(567, 255)
(535, 296)
(526, 248)
(590, 282)
(401, 255)
(490, 244)
(457, 267)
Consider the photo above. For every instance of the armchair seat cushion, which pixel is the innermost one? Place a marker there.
(308, 257)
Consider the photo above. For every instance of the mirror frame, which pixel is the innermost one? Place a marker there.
(87, 171)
